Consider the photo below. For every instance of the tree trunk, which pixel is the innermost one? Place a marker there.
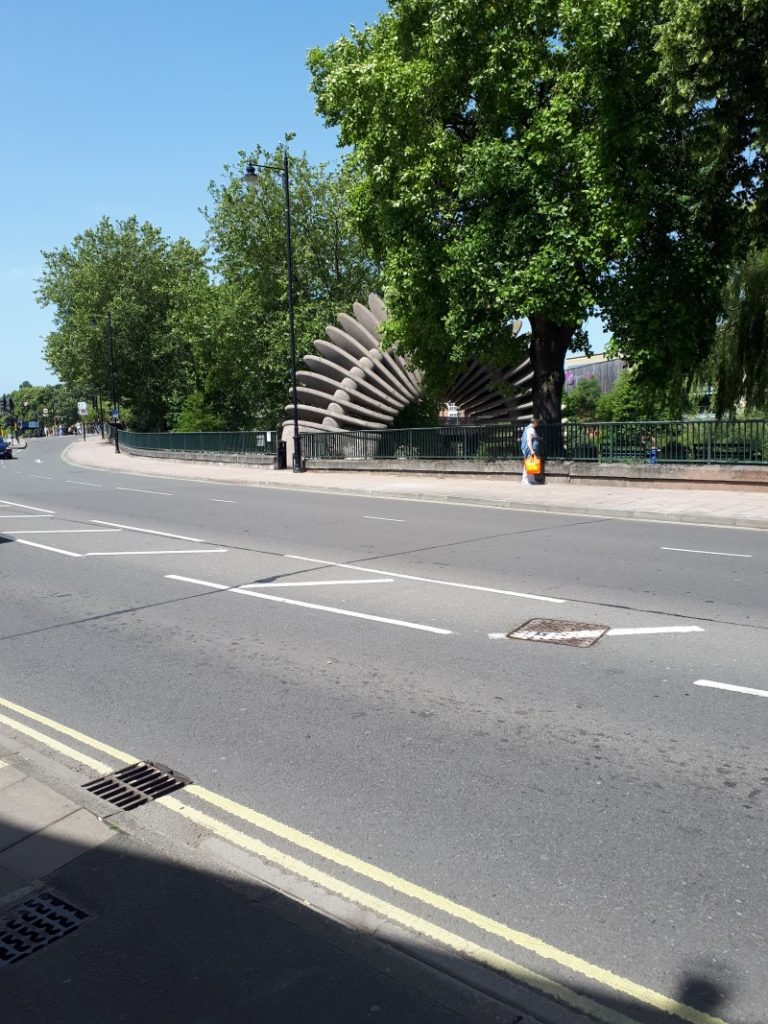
(548, 345)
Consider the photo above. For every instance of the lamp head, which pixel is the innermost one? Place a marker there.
(250, 177)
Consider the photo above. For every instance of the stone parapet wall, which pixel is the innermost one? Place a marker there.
(615, 474)
(222, 458)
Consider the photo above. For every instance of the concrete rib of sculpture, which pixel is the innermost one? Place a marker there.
(351, 383)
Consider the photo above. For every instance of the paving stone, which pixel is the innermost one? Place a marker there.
(28, 806)
(56, 845)
(9, 776)
(10, 882)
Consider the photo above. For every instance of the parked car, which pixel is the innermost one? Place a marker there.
(6, 449)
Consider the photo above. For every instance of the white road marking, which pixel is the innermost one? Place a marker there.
(156, 533)
(319, 583)
(729, 686)
(642, 630)
(140, 490)
(189, 551)
(695, 551)
(583, 633)
(385, 519)
(425, 579)
(29, 515)
(225, 501)
(29, 508)
(16, 532)
(39, 476)
(82, 483)
(45, 547)
(314, 607)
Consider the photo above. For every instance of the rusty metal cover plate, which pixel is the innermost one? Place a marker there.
(559, 631)
(131, 787)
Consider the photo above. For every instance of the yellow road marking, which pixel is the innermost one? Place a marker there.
(463, 947)
(119, 755)
(641, 993)
(62, 748)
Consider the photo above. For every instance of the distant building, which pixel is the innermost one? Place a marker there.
(605, 371)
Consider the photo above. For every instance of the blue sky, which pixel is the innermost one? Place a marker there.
(113, 108)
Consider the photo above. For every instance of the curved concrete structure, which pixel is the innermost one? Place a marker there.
(353, 384)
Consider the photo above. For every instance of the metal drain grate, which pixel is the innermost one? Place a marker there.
(35, 924)
(136, 785)
(559, 631)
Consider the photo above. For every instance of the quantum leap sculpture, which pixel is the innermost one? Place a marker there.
(351, 383)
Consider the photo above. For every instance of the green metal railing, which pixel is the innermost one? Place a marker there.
(223, 442)
(664, 441)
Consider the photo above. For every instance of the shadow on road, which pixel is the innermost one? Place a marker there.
(167, 941)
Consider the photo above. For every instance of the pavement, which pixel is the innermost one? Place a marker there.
(109, 915)
(113, 916)
(724, 507)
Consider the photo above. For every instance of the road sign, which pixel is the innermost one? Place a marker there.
(82, 408)
(45, 412)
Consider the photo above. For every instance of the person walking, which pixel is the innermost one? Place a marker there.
(530, 445)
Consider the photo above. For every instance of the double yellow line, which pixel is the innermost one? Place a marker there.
(644, 997)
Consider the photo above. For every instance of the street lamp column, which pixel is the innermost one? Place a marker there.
(250, 178)
(115, 406)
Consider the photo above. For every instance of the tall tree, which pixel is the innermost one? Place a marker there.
(148, 284)
(737, 368)
(247, 355)
(519, 158)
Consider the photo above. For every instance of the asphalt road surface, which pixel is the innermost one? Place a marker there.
(340, 668)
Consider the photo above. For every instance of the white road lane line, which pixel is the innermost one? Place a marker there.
(643, 630)
(695, 551)
(39, 476)
(46, 547)
(28, 508)
(314, 607)
(225, 501)
(140, 490)
(425, 579)
(318, 583)
(189, 551)
(82, 483)
(730, 686)
(385, 519)
(155, 533)
(29, 515)
(636, 631)
(17, 532)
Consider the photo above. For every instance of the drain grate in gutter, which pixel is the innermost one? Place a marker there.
(559, 631)
(137, 784)
(35, 924)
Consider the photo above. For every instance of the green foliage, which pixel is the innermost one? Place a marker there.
(246, 355)
(150, 286)
(196, 414)
(631, 398)
(425, 413)
(580, 402)
(738, 365)
(59, 399)
(542, 157)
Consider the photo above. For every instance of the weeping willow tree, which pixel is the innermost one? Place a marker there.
(738, 365)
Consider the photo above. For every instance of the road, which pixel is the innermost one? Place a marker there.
(338, 668)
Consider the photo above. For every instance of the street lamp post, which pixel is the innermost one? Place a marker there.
(115, 408)
(251, 178)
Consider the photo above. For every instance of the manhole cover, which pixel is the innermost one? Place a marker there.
(559, 631)
(34, 924)
(136, 785)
